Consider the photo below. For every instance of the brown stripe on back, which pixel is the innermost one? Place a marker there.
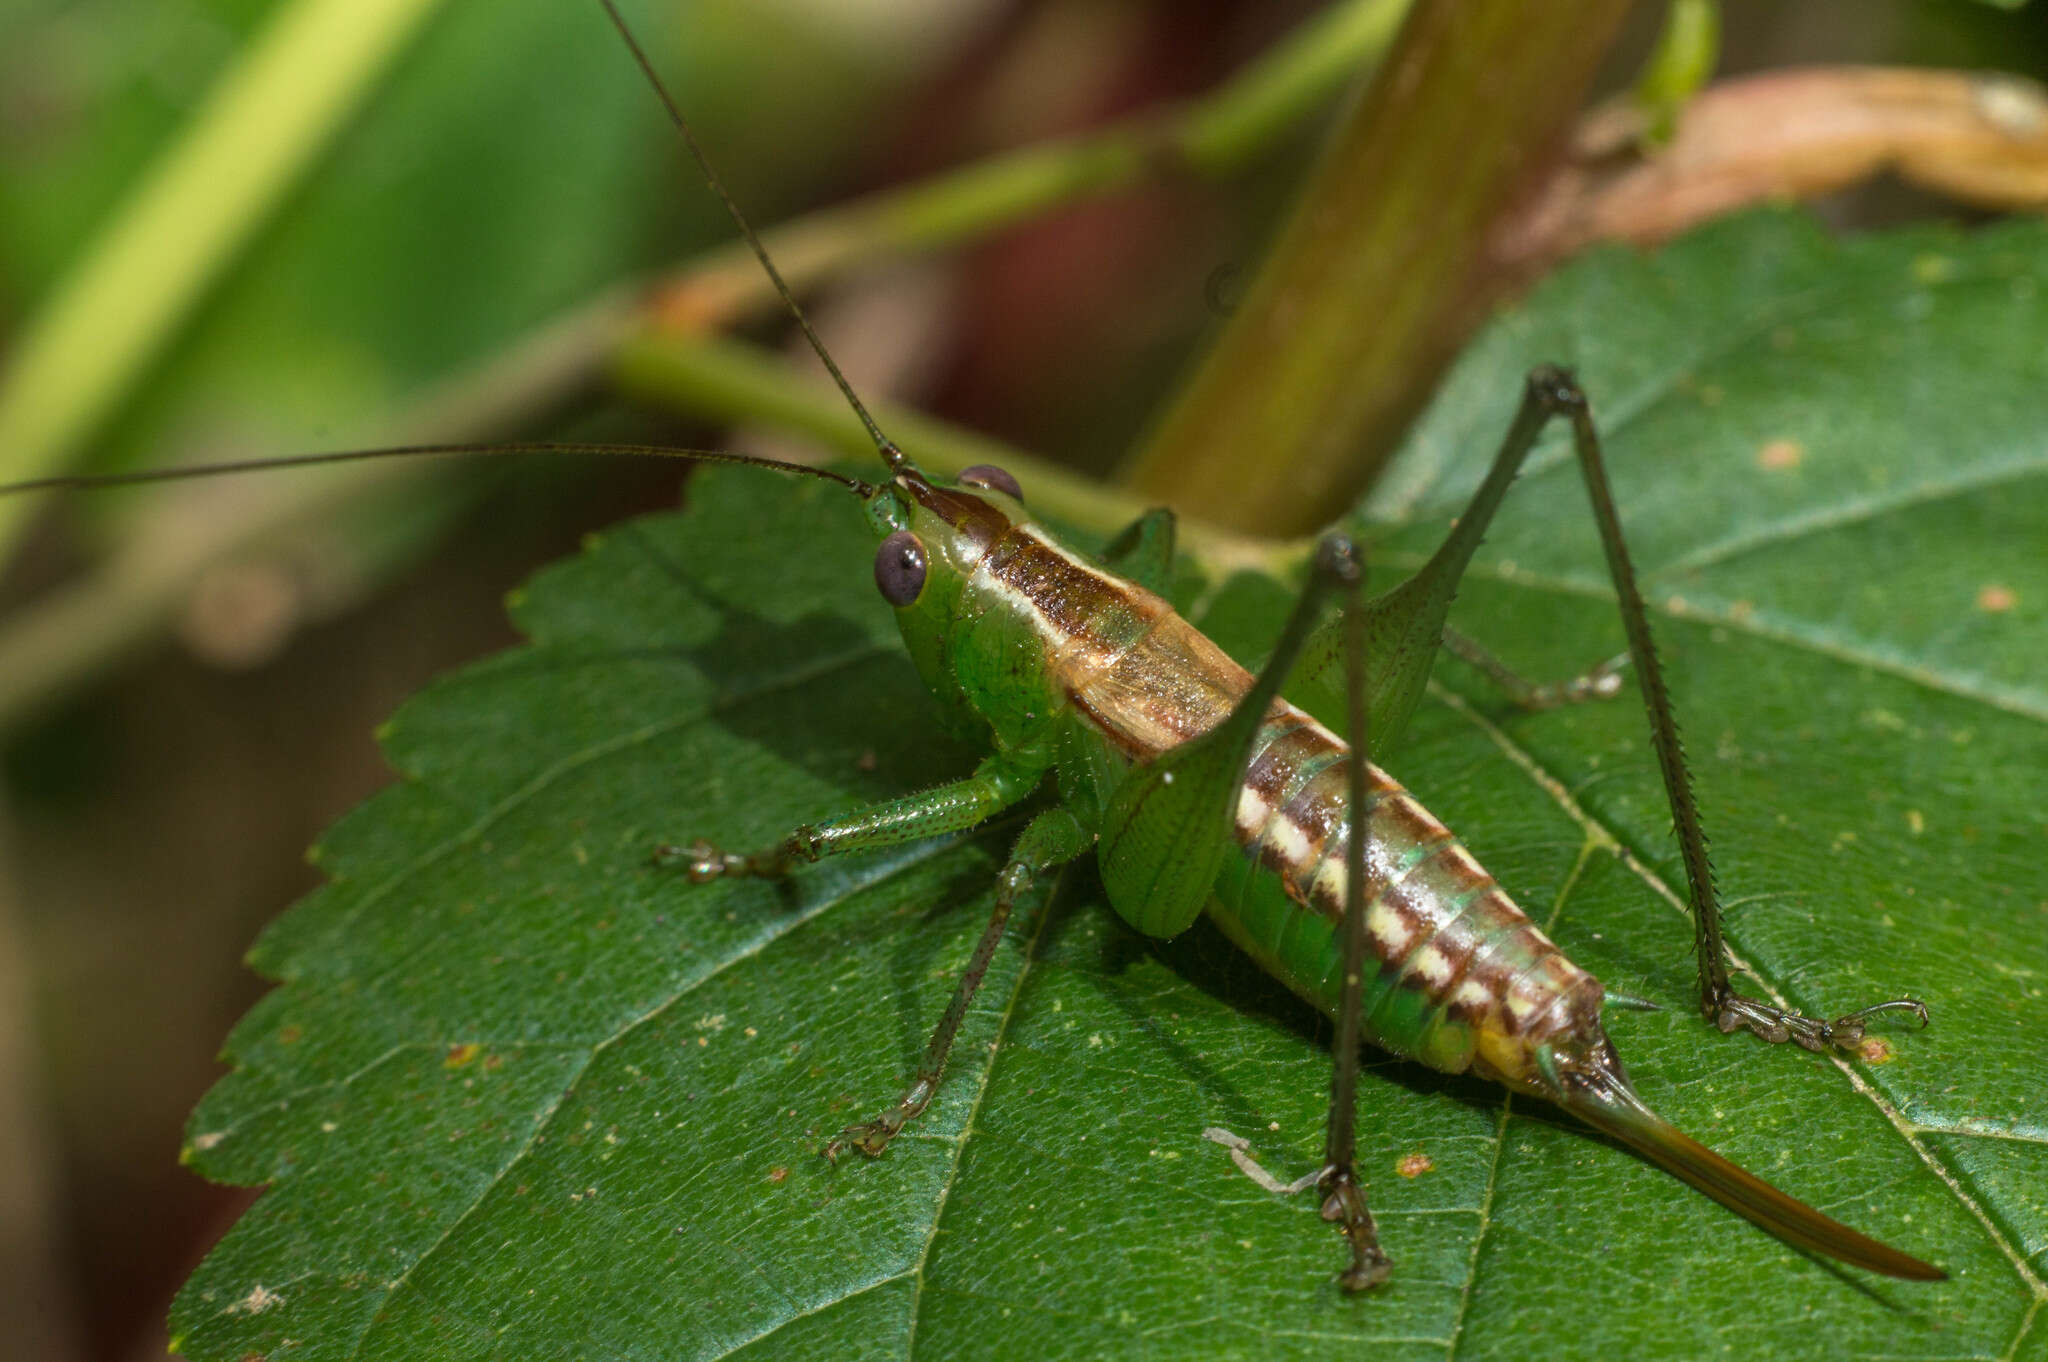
(980, 519)
(1299, 776)
(1145, 677)
(1171, 685)
(1317, 808)
(1069, 602)
(1498, 947)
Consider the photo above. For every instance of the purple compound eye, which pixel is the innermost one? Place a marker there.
(900, 568)
(993, 478)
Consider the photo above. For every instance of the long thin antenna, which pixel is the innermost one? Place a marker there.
(886, 447)
(82, 481)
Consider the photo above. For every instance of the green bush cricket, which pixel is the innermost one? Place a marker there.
(1411, 1001)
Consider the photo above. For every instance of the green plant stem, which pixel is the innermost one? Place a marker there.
(1679, 66)
(260, 128)
(725, 380)
(1213, 137)
(1380, 275)
(129, 600)
(74, 632)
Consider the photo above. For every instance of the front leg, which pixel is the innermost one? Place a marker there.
(996, 784)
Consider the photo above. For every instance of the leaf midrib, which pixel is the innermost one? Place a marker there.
(1041, 915)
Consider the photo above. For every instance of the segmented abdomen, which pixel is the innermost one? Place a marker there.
(1457, 975)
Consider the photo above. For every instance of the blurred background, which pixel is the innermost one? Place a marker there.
(190, 680)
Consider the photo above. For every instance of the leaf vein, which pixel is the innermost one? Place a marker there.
(2023, 704)
(1853, 511)
(807, 1311)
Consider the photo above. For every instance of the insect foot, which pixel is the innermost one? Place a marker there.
(700, 860)
(872, 1137)
(1600, 682)
(1731, 1010)
(1344, 1206)
(703, 862)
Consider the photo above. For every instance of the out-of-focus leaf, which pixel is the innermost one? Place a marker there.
(508, 166)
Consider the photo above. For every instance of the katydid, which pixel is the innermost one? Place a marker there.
(1200, 789)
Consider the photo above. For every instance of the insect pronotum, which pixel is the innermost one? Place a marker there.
(1200, 789)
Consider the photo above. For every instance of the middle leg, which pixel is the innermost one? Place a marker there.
(1600, 682)
(1051, 839)
(995, 785)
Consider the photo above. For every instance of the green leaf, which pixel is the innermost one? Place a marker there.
(521, 1095)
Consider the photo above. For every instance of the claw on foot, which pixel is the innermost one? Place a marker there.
(700, 860)
(872, 1137)
(1776, 1024)
(869, 1137)
(1603, 682)
(1344, 1206)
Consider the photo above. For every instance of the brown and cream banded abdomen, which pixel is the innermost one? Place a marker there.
(1458, 976)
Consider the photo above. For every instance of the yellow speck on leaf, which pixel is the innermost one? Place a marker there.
(1777, 455)
(259, 1299)
(1930, 268)
(1995, 599)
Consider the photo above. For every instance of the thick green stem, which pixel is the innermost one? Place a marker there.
(722, 380)
(1214, 137)
(1381, 273)
(132, 293)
